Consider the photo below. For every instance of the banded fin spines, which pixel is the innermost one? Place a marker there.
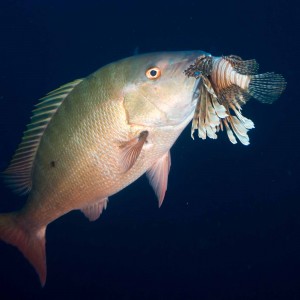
(244, 67)
(230, 82)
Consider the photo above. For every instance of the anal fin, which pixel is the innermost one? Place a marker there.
(93, 211)
(158, 176)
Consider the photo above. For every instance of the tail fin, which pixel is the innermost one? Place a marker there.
(266, 87)
(30, 243)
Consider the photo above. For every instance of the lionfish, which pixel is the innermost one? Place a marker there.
(226, 83)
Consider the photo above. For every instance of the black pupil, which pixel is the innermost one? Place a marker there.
(153, 73)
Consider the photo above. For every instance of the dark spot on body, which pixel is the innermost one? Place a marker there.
(52, 164)
(143, 135)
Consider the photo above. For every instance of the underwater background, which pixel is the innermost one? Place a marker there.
(229, 227)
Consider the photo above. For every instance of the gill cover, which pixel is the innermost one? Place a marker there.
(140, 110)
(146, 90)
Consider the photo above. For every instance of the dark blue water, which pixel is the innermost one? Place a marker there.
(229, 226)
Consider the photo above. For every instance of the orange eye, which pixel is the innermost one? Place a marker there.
(153, 73)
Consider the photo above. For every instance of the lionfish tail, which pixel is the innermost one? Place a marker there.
(266, 87)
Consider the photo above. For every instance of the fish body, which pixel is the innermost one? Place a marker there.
(226, 84)
(93, 137)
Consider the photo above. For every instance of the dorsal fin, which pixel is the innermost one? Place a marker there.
(18, 174)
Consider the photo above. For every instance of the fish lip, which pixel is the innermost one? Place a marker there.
(196, 92)
(193, 102)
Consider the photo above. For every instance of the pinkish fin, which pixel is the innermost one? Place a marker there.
(30, 242)
(131, 150)
(158, 176)
(93, 211)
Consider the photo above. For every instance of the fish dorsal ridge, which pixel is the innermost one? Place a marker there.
(18, 174)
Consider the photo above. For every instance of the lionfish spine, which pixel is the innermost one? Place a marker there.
(224, 75)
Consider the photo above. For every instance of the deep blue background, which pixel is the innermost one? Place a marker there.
(229, 227)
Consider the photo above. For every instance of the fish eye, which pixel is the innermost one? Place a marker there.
(153, 73)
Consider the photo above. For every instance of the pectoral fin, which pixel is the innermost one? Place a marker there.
(158, 176)
(93, 211)
(131, 150)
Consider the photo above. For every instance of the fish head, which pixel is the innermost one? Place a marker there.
(156, 91)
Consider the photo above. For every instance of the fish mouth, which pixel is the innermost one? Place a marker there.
(187, 108)
(184, 64)
(214, 112)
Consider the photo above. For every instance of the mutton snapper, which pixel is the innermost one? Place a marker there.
(92, 137)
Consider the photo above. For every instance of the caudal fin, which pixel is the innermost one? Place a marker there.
(30, 242)
(266, 87)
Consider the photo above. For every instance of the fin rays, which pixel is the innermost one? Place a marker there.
(93, 211)
(131, 150)
(18, 174)
(266, 87)
(228, 82)
(30, 242)
(211, 116)
(158, 176)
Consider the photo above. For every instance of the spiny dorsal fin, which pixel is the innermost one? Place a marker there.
(18, 174)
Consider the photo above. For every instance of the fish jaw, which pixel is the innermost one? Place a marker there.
(166, 101)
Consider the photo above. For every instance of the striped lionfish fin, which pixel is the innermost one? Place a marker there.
(211, 116)
(244, 67)
(18, 174)
(233, 94)
(230, 82)
(266, 87)
(208, 112)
